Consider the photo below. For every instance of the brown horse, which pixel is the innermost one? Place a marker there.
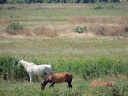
(100, 83)
(57, 78)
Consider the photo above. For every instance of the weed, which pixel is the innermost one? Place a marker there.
(98, 7)
(15, 26)
(12, 8)
(126, 29)
(80, 29)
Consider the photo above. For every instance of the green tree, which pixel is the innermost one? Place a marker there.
(3, 1)
(39, 1)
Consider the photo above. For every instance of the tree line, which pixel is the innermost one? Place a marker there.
(54, 1)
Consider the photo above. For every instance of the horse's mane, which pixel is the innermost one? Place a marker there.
(26, 64)
(49, 75)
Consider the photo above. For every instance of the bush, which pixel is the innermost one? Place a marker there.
(10, 70)
(80, 29)
(12, 8)
(14, 28)
(98, 7)
(3, 1)
(126, 30)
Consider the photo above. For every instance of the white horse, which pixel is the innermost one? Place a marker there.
(33, 69)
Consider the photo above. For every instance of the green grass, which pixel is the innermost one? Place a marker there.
(33, 89)
(59, 12)
(87, 59)
(66, 48)
(19, 89)
(80, 88)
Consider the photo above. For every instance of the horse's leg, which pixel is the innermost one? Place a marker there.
(52, 84)
(69, 85)
(30, 76)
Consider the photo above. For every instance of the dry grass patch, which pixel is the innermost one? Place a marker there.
(24, 31)
(4, 21)
(102, 25)
(44, 31)
(120, 30)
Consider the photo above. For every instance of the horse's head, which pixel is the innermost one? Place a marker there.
(20, 62)
(42, 86)
(47, 79)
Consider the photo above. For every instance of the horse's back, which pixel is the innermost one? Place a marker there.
(63, 76)
(40, 69)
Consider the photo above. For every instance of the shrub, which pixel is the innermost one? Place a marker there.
(12, 8)
(2, 1)
(10, 70)
(80, 29)
(126, 29)
(14, 28)
(98, 7)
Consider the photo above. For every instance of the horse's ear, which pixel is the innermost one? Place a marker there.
(22, 60)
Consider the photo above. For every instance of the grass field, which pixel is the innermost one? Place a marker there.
(66, 48)
(80, 88)
(48, 36)
(60, 20)
(73, 55)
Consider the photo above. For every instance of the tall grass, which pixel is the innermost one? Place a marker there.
(89, 69)
(118, 90)
(9, 69)
(86, 69)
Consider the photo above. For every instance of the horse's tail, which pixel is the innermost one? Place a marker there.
(69, 77)
(70, 81)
